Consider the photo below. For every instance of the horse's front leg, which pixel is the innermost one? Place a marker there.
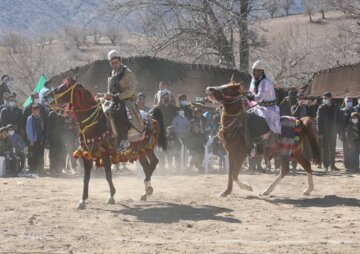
(229, 187)
(87, 172)
(148, 170)
(108, 175)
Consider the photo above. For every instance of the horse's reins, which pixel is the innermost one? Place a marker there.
(91, 117)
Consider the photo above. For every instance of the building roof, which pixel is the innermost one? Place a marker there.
(340, 81)
(184, 78)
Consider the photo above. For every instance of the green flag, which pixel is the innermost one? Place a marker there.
(37, 89)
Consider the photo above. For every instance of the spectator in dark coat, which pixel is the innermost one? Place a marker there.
(201, 120)
(343, 121)
(195, 142)
(299, 110)
(184, 105)
(141, 102)
(12, 114)
(36, 135)
(167, 109)
(18, 143)
(174, 148)
(326, 119)
(5, 79)
(357, 107)
(5, 96)
(6, 150)
(57, 146)
(352, 137)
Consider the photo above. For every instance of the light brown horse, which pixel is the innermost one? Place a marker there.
(233, 121)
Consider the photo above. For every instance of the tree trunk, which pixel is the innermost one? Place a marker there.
(224, 47)
(244, 36)
(323, 14)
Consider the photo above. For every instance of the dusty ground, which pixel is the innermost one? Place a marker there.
(183, 216)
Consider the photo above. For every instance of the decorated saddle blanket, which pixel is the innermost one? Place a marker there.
(290, 135)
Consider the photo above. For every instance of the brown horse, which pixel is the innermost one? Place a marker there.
(233, 121)
(97, 141)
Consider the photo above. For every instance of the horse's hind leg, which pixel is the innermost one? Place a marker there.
(154, 161)
(307, 167)
(148, 170)
(108, 175)
(283, 173)
(87, 172)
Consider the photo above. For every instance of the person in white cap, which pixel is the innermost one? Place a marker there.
(263, 98)
(121, 91)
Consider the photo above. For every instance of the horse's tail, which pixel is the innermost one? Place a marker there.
(310, 133)
(157, 115)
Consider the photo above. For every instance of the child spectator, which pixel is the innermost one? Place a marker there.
(174, 147)
(196, 141)
(6, 150)
(36, 135)
(18, 144)
(181, 124)
(352, 136)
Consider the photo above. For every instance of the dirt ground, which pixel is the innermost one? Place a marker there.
(184, 215)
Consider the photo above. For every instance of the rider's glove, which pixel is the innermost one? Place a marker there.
(250, 96)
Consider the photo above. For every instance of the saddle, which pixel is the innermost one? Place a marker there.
(257, 126)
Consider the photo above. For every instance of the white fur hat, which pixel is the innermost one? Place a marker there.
(259, 65)
(113, 53)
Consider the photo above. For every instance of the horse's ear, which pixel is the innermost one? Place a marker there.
(232, 79)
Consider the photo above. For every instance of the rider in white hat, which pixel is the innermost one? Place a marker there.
(123, 112)
(262, 96)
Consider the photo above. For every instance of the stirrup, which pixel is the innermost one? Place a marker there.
(124, 144)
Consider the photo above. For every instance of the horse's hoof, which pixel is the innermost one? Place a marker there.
(81, 206)
(149, 191)
(110, 201)
(143, 197)
(307, 192)
(223, 194)
(249, 188)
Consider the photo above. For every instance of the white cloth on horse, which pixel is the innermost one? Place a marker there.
(266, 93)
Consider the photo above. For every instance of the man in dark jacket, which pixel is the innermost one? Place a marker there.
(5, 79)
(326, 117)
(343, 122)
(299, 110)
(184, 104)
(56, 137)
(12, 114)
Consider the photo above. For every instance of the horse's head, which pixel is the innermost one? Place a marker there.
(226, 94)
(62, 94)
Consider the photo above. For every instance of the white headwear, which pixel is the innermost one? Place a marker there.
(113, 53)
(259, 65)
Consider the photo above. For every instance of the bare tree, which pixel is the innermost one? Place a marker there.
(348, 7)
(74, 34)
(272, 7)
(96, 34)
(113, 33)
(309, 8)
(207, 31)
(12, 41)
(286, 5)
(290, 54)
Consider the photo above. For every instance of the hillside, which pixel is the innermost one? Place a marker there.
(49, 16)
